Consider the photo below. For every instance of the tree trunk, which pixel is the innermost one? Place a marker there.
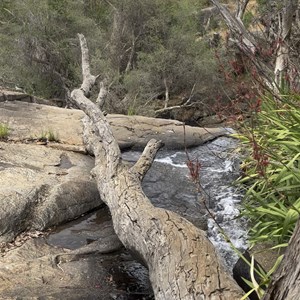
(131, 55)
(282, 56)
(245, 40)
(242, 5)
(167, 97)
(182, 262)
(285, 284)
(246, 43)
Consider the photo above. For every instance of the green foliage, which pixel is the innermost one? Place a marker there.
(248, 18)
(131, 111)
(261, 2)
(259, 288)
(4, 131)
(137, 45)
(48, 135)
(37, 45)
(273, 170)
(52, 137)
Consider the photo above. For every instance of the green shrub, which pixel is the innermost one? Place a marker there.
(273, 170)
(131, 111)
(248, 18)
(52, 137)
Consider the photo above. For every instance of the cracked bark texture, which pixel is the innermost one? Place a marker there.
(285, 282)
(182, 263)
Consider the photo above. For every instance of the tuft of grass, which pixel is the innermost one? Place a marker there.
(49, 135)
(4, 131)
(52, 137)
(131, 111)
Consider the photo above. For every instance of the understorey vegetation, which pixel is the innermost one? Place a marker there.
(4, 131)
(272, 170)
(154, 53)
(264, 73)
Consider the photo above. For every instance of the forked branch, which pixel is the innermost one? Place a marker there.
(182, 263)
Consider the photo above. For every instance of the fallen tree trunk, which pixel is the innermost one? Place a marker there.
(182, 263)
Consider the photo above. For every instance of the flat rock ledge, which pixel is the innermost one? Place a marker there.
(28, 121)
(42, 187)
(45, 183)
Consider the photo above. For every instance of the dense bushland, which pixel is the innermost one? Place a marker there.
(144, 48)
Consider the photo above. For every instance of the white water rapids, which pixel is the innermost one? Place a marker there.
(219, 169)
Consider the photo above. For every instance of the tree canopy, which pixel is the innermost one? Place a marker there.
(145, 47)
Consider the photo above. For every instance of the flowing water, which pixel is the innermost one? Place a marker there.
(219, 169)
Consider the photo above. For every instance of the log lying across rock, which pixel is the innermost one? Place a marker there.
(182, 262)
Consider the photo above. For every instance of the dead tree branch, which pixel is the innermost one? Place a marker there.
(242, 5)
(182, 262)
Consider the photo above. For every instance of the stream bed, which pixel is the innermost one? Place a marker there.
(168, 185)
(219, 168)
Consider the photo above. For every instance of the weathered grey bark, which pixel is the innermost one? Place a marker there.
(167, 97)
(282, 55)
(242, 5)
(182, 262)
(103, 91)
(247, 44)
(245, 40)
(285, 284)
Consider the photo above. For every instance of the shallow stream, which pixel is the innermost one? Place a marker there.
(219, 168)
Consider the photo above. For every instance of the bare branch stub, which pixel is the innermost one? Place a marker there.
(145, 161)
(102, 94)
(88, 79)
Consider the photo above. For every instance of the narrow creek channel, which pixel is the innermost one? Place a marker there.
(219, 169)
(167, 185)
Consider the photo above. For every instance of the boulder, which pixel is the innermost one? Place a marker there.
(9, 95)
(135, 131)
(42, 187)
(30, 122)
(191, 115)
